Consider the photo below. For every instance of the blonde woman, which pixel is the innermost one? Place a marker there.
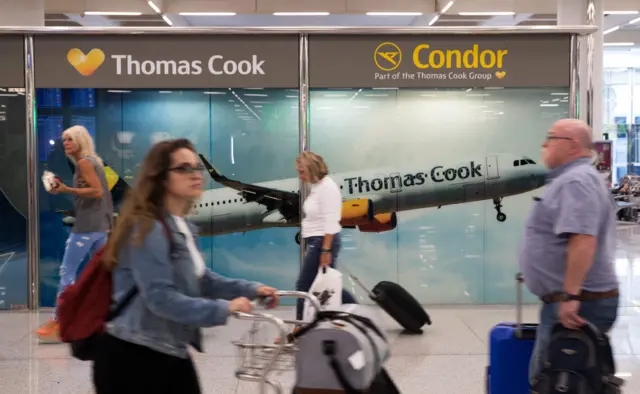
(320, 226)
(93, 212)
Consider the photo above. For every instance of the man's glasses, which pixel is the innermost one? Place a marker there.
(187, 169)
(555, 137)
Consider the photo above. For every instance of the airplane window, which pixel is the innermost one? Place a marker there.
(224, 202)
(218, 203)
(206, 204)
(531, 161)
(235, 200)
(523, 162)
(516, 163)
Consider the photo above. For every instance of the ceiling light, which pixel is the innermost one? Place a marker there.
(618, 44)
(122, 13)
(446, 7)
(301, 13)
(434, 20)
(634, 21)
(207, 13)
(497, 13)
(166, 19)
(394, 13)
(621, 12)
(154, 6)
(611, 30)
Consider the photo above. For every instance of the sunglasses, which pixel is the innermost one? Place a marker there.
(187, 169)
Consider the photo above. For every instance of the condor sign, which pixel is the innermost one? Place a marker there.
(426, 61)
(166, 61)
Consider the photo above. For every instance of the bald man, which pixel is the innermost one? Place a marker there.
(569, 242)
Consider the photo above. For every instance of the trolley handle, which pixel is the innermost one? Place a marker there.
(313, 300)
(282, 329)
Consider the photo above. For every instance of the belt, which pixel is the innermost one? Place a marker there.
(584, 296)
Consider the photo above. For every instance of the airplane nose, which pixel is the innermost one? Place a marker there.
(539, 176)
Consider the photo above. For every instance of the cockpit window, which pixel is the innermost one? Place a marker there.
(523, 162)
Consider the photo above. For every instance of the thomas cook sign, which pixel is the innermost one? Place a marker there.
(425, 61)
(166, 61)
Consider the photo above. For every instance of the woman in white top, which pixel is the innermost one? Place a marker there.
(321, 223)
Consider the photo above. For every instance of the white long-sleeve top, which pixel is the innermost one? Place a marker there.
(322, 209)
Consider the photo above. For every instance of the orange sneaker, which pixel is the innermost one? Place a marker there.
(49, 332)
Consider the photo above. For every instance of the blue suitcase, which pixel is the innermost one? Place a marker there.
(510, 350)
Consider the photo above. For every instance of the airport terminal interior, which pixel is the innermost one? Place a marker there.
(405, 100)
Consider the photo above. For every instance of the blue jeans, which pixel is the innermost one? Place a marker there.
(601, 313)
(310, 267)
(78, 246)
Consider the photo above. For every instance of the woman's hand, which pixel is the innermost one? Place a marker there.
(325, 259)
(59, 188)
(240, 304)
(269, 293)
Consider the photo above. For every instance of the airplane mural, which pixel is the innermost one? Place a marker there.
(371, 198)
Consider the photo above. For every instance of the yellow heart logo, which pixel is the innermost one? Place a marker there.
(85, 64)
(500, 74)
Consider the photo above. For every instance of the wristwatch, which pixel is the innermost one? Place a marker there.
(564, 297)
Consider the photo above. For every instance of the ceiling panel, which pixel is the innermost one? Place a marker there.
(440, 22)
(462, 18)
(270, 6)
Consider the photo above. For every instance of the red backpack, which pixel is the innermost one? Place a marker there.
(85, 306)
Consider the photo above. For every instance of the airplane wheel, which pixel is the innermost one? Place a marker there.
(298, 238)
(501, 217)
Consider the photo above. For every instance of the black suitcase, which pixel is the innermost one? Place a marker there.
(398, 303)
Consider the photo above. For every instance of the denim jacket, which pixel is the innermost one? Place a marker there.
(172, 303)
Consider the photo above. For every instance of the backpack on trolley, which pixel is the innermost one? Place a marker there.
(343, 351)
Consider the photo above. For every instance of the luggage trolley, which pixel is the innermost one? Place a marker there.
(260, 356)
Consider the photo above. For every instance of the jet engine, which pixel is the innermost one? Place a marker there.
(381, 222)
(356, 212)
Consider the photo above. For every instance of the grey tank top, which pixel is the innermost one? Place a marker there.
(93, 215)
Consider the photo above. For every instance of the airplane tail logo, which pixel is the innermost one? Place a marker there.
(112, 177)
(387, 56)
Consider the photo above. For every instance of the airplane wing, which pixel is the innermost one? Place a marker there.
(286, 202)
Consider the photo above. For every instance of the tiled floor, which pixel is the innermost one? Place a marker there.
(449, 358)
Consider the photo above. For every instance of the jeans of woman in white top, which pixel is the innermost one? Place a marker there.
(310, 267)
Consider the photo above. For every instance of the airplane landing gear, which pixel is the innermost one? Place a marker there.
(298, 238)
(501, 217)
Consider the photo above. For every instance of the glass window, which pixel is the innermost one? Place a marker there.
(618, 106)
(448, 245)
(249, 135)
(13, 200)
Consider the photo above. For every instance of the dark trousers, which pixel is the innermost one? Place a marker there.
(122, 367)
(310, 266)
